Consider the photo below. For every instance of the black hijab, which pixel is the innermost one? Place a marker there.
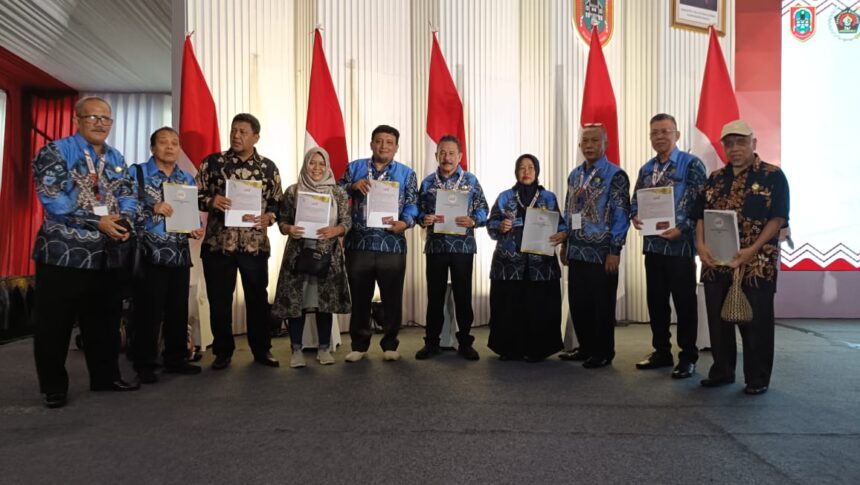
(527, 192)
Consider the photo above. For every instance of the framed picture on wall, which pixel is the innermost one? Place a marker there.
(697, 15)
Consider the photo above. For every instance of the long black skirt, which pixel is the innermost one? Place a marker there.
(525, 319)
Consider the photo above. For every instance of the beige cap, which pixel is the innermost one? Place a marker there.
(736, 127)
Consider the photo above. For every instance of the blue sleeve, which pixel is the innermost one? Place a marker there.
(56, 191)
(634, 204)
(495, 219)
(346, 180)
(480, 209)
(619, 197)
(423, 203)
(126, 199)
(410, 201)
(696, 177)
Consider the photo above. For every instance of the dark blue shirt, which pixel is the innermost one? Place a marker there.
(508, 262)
(477, 210)
(162, 248)
(686, 174)
(69, 235)
(363, 238)
(604, 203)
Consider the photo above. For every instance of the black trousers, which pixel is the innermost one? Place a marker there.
(364, 270)
(161, 306)
(64, 296)
(219, 270)
(757, 336)
(460, 266)
(673, 276)
(591, 294)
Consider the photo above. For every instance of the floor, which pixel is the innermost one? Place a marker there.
(447, 420)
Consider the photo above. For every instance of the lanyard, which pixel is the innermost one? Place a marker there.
(94, 175)
(583, 184)
(441, 185)
(370, 173)
(657, 176)
(532, 203)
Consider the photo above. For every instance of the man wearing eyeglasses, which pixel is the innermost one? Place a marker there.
(670, 266)
(87, 199)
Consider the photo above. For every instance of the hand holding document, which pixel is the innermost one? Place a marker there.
(383, 203)
(183, 201)
(540, 225)
(656, 210)
(312, 212)
(450, 204)
(246, 197)
(721, 235)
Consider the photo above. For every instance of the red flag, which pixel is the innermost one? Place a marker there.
(198, 120)
(324, 125)
(444, 109)
(717, 106)
(598, 99)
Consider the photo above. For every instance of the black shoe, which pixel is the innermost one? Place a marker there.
(182, 368)
(427, 352)
(709, 382)
(751, 390)
(655, 361)
(267, 360)
(468, 352)
(221, 363)
(118, 385)
(54, 400)
(147, 376)
(596, 362)
(573, 355)
(683, 370)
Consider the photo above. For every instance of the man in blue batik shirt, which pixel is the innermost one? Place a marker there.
(450, 251)
(598, 207)
(670, 266)
(83, 186)
(374, 254)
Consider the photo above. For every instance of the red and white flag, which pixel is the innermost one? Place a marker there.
(598, 98)
(198, 120)
(444, 109)
(324, 126)
(717, 106)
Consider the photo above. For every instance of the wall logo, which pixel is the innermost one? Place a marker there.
(589, 13)
(803, 22)
(846, 25)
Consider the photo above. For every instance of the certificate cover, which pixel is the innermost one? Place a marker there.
(539, 226)
(656, 209)
(312, 212)
(383, 203)
(450, 204)
(183, 200)
(721, 234)
(246, 202)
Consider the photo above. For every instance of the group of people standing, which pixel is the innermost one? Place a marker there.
(93, 201)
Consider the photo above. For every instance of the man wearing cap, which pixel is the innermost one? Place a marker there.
(758, 193)
(670, 256)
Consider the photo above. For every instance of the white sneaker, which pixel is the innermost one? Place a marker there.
(391, 355)
(324, 357)
(297, 360)
(354, 356)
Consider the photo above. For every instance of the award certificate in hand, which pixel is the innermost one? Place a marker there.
(383, 203)
(183, 200)
(539, 226)
(246, 202)
(721, 234)
(656, 209)
(312, 212)
(450, 204)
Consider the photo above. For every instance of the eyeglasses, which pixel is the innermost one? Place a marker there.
(656, 133)
(96, 119)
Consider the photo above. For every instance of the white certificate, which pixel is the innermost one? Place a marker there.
(183, 200)
(383, 203)
(656, 209)
(246, 202)
(721, 234)
(450, 204)
(312, 212)
(539, 226)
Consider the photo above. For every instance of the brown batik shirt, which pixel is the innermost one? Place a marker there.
(212, 178)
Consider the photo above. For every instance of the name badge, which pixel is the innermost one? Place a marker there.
(100, 210)
(575, 221)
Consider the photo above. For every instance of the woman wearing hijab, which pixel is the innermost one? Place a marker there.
(313, 275)
(525, 291)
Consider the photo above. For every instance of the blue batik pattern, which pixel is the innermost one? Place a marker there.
(477, 209)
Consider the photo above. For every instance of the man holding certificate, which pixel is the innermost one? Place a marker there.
(663, 200)
(598, 207)
(384, 195)
(238, 243)
(758, 193)
(451, 205)
(166, 215)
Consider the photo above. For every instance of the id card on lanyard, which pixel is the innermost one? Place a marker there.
(99, 207)
(575, 218)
